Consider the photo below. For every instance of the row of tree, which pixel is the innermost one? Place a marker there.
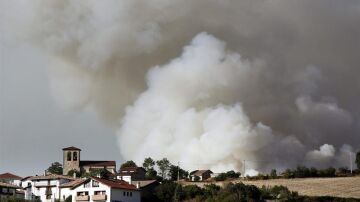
(239, 192)
(165, 170)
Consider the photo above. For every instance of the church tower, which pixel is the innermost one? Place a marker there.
(71, 159)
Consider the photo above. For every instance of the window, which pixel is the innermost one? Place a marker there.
(123, 193)
(127, 193)
(95, 183)
(130, 193)
(99, 192)
(69, 156)
(74, 156)
(82, 193)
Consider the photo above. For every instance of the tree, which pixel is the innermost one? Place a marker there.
(71, 173)
(164, 166)
(102, 173)
(191, 191)
(357, 161)
(55, 168)
(166, 191)
(173, 173)
(148, 164)
(273, 174)
(128, 164)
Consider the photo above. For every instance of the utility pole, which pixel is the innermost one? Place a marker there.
(178, 176)
(178, 181)
(351, 163)
(244, 169)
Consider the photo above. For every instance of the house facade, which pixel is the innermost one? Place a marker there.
(97, 189)
(71, 161)
(200, 175)
(130, 174)
(45, 187)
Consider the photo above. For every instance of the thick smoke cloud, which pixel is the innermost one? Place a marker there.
(207, 83)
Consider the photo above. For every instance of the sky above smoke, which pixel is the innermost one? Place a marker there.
(207, 83)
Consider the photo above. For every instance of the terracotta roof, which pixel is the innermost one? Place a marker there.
(72, 183)
(51, 177)
(144, 183)
(9, 176)
(97, 163)
(116, 184)
(2, 184)
(131, 169)
(71, 148)
(199, 172)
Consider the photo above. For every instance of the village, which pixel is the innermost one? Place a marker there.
(94, 180)
(99, 181)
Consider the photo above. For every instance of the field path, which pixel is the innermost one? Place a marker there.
(338, 187)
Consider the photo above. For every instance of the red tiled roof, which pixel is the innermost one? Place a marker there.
(200, 172)
(116, 184)
(97, 163)
(71, 148)
(72, 183)
(144, 183)
(129, 169)
(9, 176)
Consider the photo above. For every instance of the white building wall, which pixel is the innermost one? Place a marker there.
(126, 178)
(65, 192)
(41, 191)
(91, 191)
(113, 195)
(118, 195)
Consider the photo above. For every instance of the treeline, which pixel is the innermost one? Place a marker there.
(304, 172)
(227, 175)
(170, 191)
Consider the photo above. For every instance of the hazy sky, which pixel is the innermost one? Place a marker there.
(33, 129)
(173, 78)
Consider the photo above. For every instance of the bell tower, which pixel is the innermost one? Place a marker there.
(71, 159)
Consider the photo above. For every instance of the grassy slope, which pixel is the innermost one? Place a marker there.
(338, 187)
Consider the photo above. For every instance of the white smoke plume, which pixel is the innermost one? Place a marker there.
(208, 83)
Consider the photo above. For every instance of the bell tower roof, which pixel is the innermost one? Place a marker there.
(71, 148)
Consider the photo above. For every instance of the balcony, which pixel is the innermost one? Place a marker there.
(45, 183)
(82, 198)
(99, 197)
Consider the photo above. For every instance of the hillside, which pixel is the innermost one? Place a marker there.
(338, 187)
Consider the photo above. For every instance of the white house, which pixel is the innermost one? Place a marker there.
(66, 188)
(200, 175)
(45, 187)
(107, 190)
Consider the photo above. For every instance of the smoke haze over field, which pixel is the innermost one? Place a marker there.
(207, 83)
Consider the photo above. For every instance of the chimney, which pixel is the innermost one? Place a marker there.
(138, 185)
(74, 175)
